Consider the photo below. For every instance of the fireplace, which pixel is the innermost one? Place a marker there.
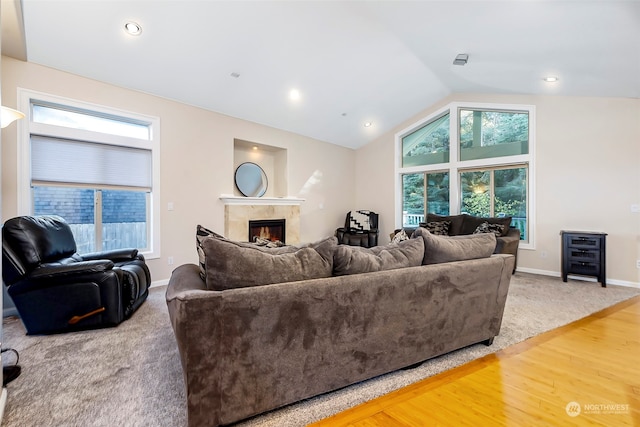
(270, 229)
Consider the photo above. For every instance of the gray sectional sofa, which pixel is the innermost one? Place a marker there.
(247, 350)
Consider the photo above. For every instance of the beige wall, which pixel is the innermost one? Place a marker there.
(587, 176)
(587, 168)
(197, 162)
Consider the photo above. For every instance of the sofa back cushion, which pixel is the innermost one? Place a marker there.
(230, 265)
(354, 260)
(439, 249)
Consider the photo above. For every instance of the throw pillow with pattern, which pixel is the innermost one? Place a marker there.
(438, 228)
(201, 233)
(400, 236)
(485, 227)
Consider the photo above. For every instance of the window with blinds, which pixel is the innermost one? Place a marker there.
(97, 168)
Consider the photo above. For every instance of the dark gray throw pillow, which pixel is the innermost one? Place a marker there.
(354, 259)
(439, 249)
(230, 265)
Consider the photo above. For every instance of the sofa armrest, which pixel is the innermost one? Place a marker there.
(509, 244)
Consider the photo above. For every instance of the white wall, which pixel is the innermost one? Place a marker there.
(197, 162)
(587, 176)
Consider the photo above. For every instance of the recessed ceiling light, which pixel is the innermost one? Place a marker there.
(255, 147)
(133, 28)
(294, 94)
(367, 124)
(550, 79)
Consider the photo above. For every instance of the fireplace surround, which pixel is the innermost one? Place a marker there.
(238, 211)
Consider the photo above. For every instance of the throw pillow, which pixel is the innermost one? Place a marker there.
(439, 228)
(354, 259)
(472, 222)
(456, 222)
(201, 233)
(400, 236)
(485, 227)
(230, 265)
(438, 249)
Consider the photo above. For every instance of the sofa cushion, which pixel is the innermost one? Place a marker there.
(438, 249)
(455, 227)
(355, 260)
(230, 265)
(470, 223)
(485, 227)
(439, 228)
(201, 233)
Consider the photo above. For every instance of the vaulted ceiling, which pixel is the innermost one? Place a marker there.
(351, 61)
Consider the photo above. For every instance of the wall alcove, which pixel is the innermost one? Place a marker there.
(273, 160)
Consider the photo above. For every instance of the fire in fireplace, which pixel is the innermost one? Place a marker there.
(270, 229)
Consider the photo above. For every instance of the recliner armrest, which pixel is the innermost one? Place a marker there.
(53, 275)
(52, 271)
(114, 255)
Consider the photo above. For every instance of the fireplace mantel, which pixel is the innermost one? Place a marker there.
(230, 199)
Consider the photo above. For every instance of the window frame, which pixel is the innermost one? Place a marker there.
(28, 127)
(455, 165)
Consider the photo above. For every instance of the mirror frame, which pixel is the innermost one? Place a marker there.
(260, 187)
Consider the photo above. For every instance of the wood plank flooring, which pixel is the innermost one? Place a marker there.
(586, 373)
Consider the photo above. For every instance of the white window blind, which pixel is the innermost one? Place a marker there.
(70, 161)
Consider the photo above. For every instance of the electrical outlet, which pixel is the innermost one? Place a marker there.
(543, 254)
(170, 260)
(638, 263)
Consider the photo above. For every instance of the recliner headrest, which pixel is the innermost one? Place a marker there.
(38, 239)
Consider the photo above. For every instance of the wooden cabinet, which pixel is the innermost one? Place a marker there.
(583, 253)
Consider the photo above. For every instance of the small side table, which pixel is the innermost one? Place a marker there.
(584, 253)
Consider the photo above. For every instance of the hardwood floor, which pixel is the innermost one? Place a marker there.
(586, 373)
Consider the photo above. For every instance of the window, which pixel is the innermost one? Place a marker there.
(97, 168)
(480, 164)
(415, 204)
(489, 134)
(427, 145)
(496, 193)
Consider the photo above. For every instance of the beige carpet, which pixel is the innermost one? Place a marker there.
(131, 375)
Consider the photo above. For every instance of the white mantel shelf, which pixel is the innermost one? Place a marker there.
(230, 199)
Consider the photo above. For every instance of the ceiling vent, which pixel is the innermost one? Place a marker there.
(461, 59)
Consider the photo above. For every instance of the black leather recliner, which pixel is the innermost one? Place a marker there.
(360, 229)
(57, 290)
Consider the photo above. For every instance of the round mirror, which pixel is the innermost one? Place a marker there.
(251, 180)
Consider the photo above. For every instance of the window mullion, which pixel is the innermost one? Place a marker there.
(98, 219)
(425, 185)
(492, 188)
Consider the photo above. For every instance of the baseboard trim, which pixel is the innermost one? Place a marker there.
(9, 311)
(583, 278)
(158, 283)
